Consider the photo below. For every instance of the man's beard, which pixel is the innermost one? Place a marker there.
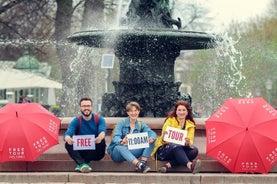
(86, 115)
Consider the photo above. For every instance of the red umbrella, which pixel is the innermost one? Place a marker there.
(26, 131)
(242, 136)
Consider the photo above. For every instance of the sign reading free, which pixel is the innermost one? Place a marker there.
(138, 140)
(175, 135)
(83, 142)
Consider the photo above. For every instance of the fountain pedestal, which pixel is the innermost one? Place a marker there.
(153, 98)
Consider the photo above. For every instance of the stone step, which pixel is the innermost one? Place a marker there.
(207, 166)
(134, 178)
(101, 166)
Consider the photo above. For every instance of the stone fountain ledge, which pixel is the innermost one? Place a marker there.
(186, 40)
(154, 123)
(150, 32)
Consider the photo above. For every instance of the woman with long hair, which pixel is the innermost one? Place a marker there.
(180, 117)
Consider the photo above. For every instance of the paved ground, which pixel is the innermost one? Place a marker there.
(135, 178)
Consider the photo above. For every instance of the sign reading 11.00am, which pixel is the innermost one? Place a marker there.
(138, 140)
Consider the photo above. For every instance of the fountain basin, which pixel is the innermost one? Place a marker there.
(185, 40)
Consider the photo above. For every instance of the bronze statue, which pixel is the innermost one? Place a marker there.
(151, 14)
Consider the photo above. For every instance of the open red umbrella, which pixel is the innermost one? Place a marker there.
(242, 136)
(26, 131)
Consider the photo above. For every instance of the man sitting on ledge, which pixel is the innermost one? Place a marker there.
(87, 124)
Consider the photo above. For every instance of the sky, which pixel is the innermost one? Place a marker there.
(239, 10)
(223, 12)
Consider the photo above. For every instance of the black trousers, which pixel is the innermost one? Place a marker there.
(85, 156)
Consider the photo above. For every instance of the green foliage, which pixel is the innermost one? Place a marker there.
(254, 59)
(55, 110)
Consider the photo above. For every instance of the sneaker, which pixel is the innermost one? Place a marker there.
(162, 169)
(195, 166)
(144, 168)
(85, 168)
(137, 169)
(78, 168)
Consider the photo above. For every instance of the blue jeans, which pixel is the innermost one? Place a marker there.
(177, 154)
(121, 153)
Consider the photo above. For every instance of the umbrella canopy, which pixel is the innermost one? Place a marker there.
(26, 131)
(242, 136)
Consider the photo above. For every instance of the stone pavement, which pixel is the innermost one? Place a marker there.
(134, 178)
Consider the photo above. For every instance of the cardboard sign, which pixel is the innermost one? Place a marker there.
(175, 135)
(139, 140)
(84, 142)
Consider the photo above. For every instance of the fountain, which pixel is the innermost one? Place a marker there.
(147, 54)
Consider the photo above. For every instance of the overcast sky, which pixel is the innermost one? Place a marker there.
(240, 10)
(224, 11)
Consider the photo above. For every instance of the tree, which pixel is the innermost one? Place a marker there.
(65, 54)
(23, 25)
(249, 58)
(42, 27)
(77, 70)
(194, 16)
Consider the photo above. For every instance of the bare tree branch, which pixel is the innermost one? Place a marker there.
(12, 29)
(77, 5)
(10, 4)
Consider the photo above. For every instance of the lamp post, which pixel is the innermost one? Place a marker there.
(268, 86)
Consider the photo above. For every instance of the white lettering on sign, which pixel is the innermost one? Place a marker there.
(269, 109)
(41, 144)
(221, 111)
(53, 127)
(138, 140)
(272, 157)
(223, 157)
(250, 166)
(83, 142)
(175, 135)
(246, 101)
(16, 153)
(211, 135)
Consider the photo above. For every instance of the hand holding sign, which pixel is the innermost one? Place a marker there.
(84, 142)
(138, 140)
(175, 135)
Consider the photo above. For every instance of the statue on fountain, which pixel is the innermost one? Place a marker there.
(151, 14)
